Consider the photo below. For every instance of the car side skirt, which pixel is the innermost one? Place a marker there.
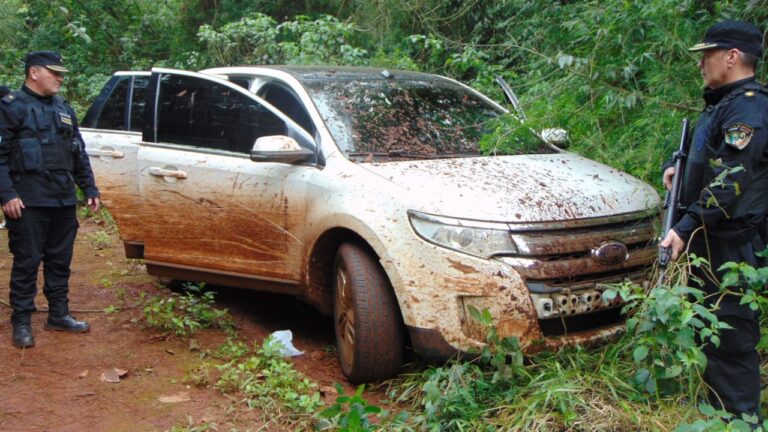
(232, 279)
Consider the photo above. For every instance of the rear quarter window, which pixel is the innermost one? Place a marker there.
(120, 106)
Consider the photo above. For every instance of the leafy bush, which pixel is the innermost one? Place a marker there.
(353, 417)
(185, 314)
(269, 381)
(258, 39)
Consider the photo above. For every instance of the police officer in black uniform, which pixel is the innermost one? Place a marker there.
(4, 90)
(725, 190)
(42, 158)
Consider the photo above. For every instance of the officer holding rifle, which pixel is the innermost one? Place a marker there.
(724, 195)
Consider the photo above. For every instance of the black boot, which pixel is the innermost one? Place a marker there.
(22, 335)
(67, 323)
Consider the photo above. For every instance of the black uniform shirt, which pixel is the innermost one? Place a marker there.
(725, 186)
(48, 189)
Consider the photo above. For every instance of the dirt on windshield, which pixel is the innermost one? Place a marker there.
(59, 385)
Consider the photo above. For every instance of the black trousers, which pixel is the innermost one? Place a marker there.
(44, 234)
(733, 368)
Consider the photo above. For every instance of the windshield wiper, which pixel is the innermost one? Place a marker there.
(402, 154)
(391, 153)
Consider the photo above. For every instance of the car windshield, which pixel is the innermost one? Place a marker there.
(403, 118)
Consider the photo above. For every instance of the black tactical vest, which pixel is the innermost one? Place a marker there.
(46, 142)
(706, 146)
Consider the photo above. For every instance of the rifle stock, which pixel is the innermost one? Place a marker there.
(672, 201)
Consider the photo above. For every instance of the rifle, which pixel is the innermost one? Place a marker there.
(672, 199)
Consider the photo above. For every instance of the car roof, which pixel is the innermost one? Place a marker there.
(328, 73)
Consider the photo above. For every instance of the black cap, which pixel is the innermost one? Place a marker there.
(49, 59)
(732, 34)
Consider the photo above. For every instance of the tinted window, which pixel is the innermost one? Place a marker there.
(197, 112)
(138, 102)
(284, 99)
(112, 115)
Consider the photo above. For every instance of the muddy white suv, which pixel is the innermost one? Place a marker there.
(363, 192)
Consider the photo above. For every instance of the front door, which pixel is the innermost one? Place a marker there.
(206, 205)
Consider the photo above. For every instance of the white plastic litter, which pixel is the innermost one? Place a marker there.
(284, 338)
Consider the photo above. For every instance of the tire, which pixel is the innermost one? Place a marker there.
(367, 320)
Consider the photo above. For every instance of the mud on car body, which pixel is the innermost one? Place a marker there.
(363, 192)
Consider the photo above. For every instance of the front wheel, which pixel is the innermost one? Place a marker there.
(369, 329)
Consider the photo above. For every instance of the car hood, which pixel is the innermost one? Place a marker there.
(529, 188)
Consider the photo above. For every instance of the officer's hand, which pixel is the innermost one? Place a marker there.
(673, 240)
(94, 204)
(12, 209)
(668, 174)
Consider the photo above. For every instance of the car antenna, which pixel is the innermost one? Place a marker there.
(511, 97)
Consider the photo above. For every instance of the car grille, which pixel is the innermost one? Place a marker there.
(565, 278)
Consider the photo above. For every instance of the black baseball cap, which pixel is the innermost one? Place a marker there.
(729, 34)
(49, 59)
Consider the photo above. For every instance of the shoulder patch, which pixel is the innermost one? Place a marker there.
(738, 135)
(749, 94)
(10, 97)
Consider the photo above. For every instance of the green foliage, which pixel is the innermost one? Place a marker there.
(232, 349)
(510, 135)
(100, 239)
(664, 324)
(722, 421)
(184, 314)
(258, 39)
(268, 381)
(350, 418)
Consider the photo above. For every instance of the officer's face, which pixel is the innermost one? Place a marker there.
(46, 82)
(714, 67)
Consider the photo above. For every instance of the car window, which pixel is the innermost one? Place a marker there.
(426, 118)
(201, 113)
(112, 113)
(285, 99)
(138, 102)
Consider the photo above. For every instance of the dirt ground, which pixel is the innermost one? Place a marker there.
(56, 385)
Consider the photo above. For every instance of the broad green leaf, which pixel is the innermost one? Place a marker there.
(640, 353)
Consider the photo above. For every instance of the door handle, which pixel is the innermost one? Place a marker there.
(160, 172)
(111, 153)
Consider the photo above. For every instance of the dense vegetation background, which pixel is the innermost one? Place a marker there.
(615, 73)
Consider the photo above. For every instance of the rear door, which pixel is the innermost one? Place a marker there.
(112, 132)
(206, 205)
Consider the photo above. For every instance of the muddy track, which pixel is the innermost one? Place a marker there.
(56, 385)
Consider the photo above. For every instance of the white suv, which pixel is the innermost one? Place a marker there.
(363, 192)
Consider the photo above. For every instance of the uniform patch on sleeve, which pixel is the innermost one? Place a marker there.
(738, 135)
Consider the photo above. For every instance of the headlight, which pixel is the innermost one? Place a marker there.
(482, 239)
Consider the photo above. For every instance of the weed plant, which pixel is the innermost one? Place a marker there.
(100, 239)
(269, 382)
(184, 314)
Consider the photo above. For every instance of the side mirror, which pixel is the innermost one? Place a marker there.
(280, 149)
(556, 137)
